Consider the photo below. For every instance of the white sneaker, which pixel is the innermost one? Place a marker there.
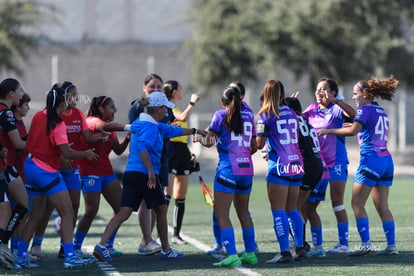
(36, 251)
(149, 249)
(317, 251)
(339, 248)
(389, 250)
(178, 240)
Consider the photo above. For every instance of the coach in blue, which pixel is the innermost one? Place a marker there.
(376, 168)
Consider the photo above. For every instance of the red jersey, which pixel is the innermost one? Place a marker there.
(45, 148)
(75, 124)
(102, 166)
(7, 124)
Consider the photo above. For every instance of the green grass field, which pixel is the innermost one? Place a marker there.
(197, 225)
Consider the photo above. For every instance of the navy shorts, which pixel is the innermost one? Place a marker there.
(135, 190)
(313, 173)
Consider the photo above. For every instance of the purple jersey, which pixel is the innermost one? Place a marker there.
(372, 137)
(333, 148)
(282, 134)
(234, 150)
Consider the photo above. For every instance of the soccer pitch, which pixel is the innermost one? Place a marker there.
(197, 226)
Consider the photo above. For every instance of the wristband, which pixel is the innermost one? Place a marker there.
(194, 131)
(191, 103)
(127, 127)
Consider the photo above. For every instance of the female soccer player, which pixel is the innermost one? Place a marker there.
(376, 168)
(235, 130)
(278, 126)
(331, 112)
(141, 178)
(47, 143)
(180, 164)
(97, 176)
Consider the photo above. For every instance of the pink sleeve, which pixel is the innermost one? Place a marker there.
(91, 122)
(59, 134)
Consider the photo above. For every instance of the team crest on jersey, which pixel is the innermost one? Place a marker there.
(260, 127)
(9, 113)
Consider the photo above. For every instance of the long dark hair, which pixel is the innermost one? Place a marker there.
(233, 120)
(169, 87)
(95, 104)
(54, 98)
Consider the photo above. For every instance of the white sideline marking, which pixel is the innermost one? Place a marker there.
(204, 247)
(106, 268)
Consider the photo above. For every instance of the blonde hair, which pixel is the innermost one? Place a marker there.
(272, 96)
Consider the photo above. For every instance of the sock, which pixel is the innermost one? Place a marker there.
(110, 242)
(37, 240)
(78, 239)
(168, 199)
(296, 223)
(68, 249)
(304, 232)
(389, 231)
(249, 239)
(14, 244)
(217, 231)
(22, 250)
(316, 233)
(363, 229)
(281, 227)
(343, 233)
(17, 215)
(229, 242)
(178, 215)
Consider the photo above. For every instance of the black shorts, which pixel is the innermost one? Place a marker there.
(313, 173)
(180, 163)
(11, 173)
(135, 190)
(3, 188)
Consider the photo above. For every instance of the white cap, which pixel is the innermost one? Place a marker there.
(159, 99)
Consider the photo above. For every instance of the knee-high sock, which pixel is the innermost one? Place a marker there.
(281, 227)
(363, 229)
(296, 223)
(249, 239)
(17, 215)
(389, 231)
(229, 242)
(316, 233)
(216, 231)
(179, 209)
(343, 233)
(78, 239)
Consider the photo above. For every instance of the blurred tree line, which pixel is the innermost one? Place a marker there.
(247, 40)
(342, 39)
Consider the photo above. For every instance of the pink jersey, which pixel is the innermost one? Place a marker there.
(102, 166)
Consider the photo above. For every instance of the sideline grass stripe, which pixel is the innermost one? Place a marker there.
(204, 247)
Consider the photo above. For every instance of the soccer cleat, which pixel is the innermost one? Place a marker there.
(361, 251)
(36, 251)
(75, 261)
(149, 249)
(23, 262)
(230, 261)
(339, 248)
(79, 253)
(249, 258)
(217, 249)
(178, 240)
(300, 254)
(5, 252)
(4, 263)
(389, 250)
(115, 252)
(61, 253)
(282, 258)
(317, 251)
(306, 246)
(172, 254)
(102, 253)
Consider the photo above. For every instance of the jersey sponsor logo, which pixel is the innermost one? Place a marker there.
(260, 128)
(73, 128)
(292, 168)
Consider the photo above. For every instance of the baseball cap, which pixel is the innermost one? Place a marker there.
(159, 99)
